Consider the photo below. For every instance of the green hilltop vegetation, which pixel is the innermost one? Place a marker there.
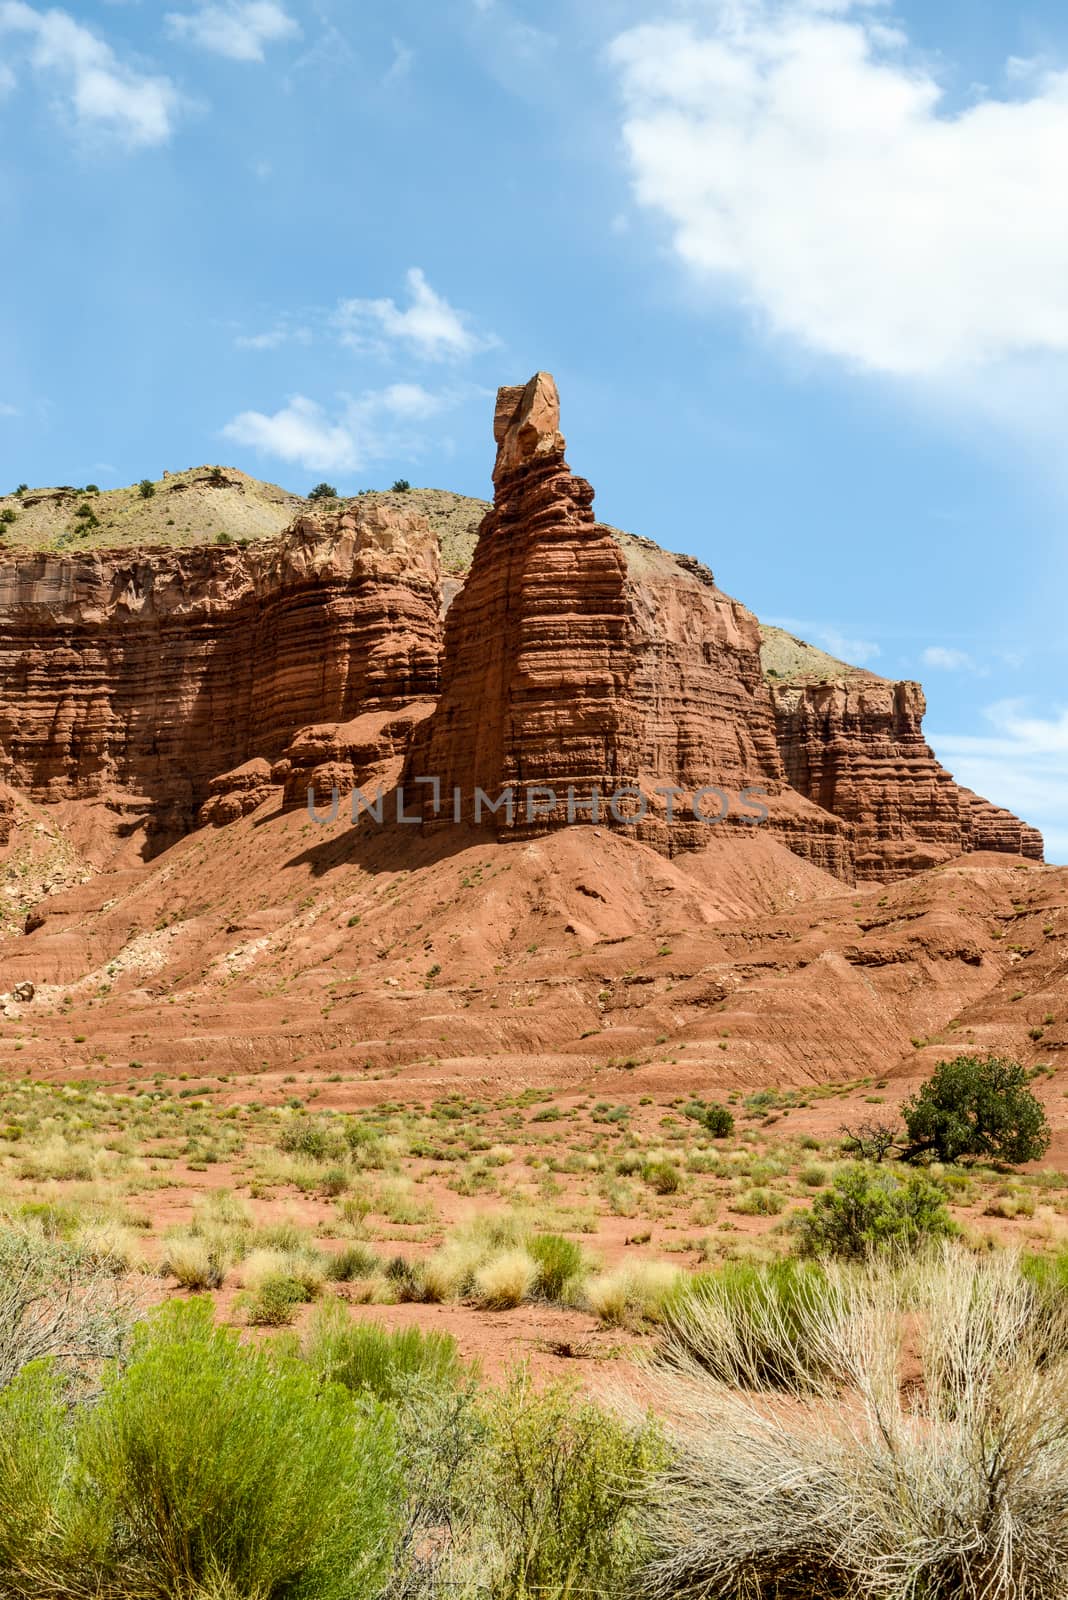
(204, 505)
(222, 505)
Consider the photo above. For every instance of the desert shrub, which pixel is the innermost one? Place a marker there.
(977, 1106)
(354, 1261)
(563, 1482)
(401, 486)
(305, 1267)
(274, 1302)
(559, 1261)
(719, 1121)
(638, 1291)
(663, 1176)
(750, 1326)
(147, 488)
(34, 1468)
(869, 1209)
(219, 1469)
(758, 1203)
(196, 1262)
(311, 1139)
(812, 1175)
(323, 491)
(8, 516)
(505, 1278)
(56, 1304)
(367, 1358)
(943, 1490)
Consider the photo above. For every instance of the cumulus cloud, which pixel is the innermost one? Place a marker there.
(364, 430)
(810, 166)
(428, 325)
(945, 659)
(238, 30)
(100, 92)
(1021, 763)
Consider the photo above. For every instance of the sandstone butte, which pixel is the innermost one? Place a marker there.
(186, 686)
(165, 709)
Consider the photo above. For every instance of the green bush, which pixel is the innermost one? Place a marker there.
(274, 1302)
(354, 1261)
(559, 1261)
(869, 1209)
(401, 486)
(8, 515)
(305, 1138)
(719, 1121)
(368, 1359)
(147, 488)
(663, 1176)
(976, 1106)
(34, 1469)
(323, 491)
(216, 1467)
(563, 1483)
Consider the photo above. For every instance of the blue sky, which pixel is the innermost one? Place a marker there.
(800, 269)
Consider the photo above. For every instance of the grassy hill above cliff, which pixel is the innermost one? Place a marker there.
(222, 505)
(204, 505)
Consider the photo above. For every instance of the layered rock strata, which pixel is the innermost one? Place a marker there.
(855, 746)
(152, 672)
(577, 660)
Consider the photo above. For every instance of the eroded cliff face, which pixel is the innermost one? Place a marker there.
(578, 660)
(855, 746)
(142, 676)
(197, 684)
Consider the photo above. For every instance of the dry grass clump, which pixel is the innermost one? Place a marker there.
(637, 1292)
(499, 1261)
(850, 1482)
(506, 1279)
(196, 1262)
(109, 1246)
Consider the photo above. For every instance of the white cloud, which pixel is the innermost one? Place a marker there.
(946, 659)
(1022, 764)
(8, 410)
(365, 430)
(238, 30)
(430, 325)
(7, 80)
(401, 65)
(100, 91)
(808, 164)
(856, 651)
(283, 332)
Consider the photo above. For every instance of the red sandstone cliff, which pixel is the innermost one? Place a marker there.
(200, 682)
(145, 675)
(578, 659)
(855, 746)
